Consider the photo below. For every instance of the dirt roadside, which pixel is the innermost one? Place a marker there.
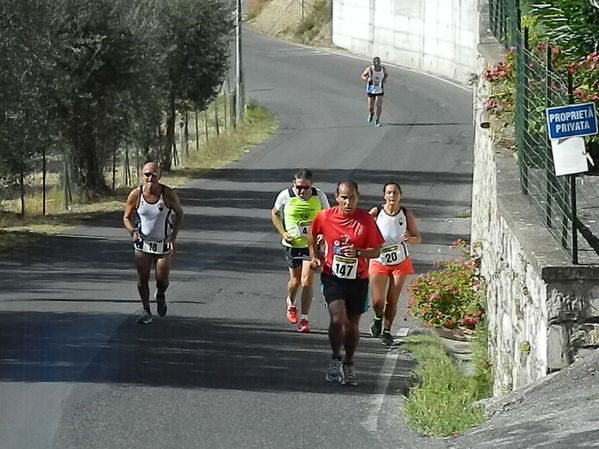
(283, 19)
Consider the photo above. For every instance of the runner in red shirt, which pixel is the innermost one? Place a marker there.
(350, 236)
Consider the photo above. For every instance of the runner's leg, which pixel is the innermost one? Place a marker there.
(371, 102)
(338, 316)
(395, 287)
(378, 285)
(143, 264)
(307, 291)
(379, 107)
(352, 336)
(294, 283)
(163, 269)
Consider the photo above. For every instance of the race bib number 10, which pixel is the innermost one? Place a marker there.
(345, 267)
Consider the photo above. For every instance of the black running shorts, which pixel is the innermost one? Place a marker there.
(353, 291)
(295, 256)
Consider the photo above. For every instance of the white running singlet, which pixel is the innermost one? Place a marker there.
(154, 219)
(392, 227)
(376, 85)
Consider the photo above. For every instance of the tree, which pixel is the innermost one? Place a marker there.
(24, 104)
(95, 61)
(572, 25)
(194, 42)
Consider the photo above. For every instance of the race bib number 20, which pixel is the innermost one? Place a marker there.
(392, 255)
(345, 267)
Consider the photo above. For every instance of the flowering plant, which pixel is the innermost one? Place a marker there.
(452, 296)
(501, 78)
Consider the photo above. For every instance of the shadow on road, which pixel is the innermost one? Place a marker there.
(176, 352)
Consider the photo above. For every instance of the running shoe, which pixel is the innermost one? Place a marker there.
(145, 317)
(349, 376)
(377, 123)
(369, 118)
(160, 303)
(292, 314)
(376, 328)
(335, 372)
(388, 339)
(303, 327)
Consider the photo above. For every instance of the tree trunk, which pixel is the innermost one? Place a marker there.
(22, 185)
(206, 124)
(216, 117)
(186, 134)
(197, 131)
(44, 172)
(170, 145)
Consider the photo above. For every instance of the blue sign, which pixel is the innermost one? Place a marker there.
(575, 120)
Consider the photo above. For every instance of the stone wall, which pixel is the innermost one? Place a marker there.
(541, 309)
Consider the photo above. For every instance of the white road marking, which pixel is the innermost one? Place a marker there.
(382, 383)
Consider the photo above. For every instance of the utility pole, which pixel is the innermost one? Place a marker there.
(240, 93)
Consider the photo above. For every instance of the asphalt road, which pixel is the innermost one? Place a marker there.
(224, 369)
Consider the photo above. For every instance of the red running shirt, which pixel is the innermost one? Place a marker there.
(360, 229)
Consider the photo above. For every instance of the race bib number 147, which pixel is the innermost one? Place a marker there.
(345, 267)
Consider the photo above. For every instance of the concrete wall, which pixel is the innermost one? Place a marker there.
(437, 36)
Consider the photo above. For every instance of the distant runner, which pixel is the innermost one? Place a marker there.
(350, 236)
(394, 264)
(153, 217)
(292, 213)
(375, 76)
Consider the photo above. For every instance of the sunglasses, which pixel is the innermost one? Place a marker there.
(302, 188)
(147, 175)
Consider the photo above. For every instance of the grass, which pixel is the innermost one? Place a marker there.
(217, 152)
(444, 402)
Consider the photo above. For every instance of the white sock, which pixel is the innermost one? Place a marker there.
(303, 317)
(289, 303)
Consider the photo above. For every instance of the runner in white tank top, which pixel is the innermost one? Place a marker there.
(153, 216)
(389, 271)
(155, 220)
(375, 76)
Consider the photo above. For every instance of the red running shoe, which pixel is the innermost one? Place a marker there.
(303, 327)
(292, 314)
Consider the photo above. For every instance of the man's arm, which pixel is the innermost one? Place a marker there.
(130, 209)
(172, 202)
(275, 216)
(313, 248)
(365, 74)
(385, 74)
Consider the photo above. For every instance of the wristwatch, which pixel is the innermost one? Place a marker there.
(133, 232)
(358, 253)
